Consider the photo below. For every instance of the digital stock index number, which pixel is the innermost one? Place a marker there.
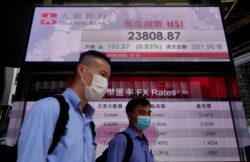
(152, 35)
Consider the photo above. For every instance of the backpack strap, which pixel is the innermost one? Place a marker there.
(129, 147)
(92, 128)
(128, 151)
(61, 123)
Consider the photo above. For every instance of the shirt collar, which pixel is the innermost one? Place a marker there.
(90, 111)
(133, 134)
(75, 102)
(72, 97)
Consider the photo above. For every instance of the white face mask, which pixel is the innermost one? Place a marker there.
(98, 87)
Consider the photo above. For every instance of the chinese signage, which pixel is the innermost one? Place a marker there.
(128, 33)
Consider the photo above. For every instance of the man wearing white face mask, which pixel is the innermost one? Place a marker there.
(77, 144)
(98, 87)
(138, 112)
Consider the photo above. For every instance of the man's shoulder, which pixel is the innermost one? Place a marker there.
(46, 105)
(48, 101)
(45, 109)
(120, 138)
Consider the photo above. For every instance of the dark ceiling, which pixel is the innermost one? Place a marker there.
(237, 21)
(16, 17)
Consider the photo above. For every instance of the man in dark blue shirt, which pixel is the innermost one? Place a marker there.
(138, 112)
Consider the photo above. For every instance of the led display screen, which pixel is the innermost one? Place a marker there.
(191, 117)
(174, 34)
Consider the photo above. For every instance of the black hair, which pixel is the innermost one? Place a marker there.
(132, 104)
(94, 53)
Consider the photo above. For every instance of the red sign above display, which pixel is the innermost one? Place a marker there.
(167, 87)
